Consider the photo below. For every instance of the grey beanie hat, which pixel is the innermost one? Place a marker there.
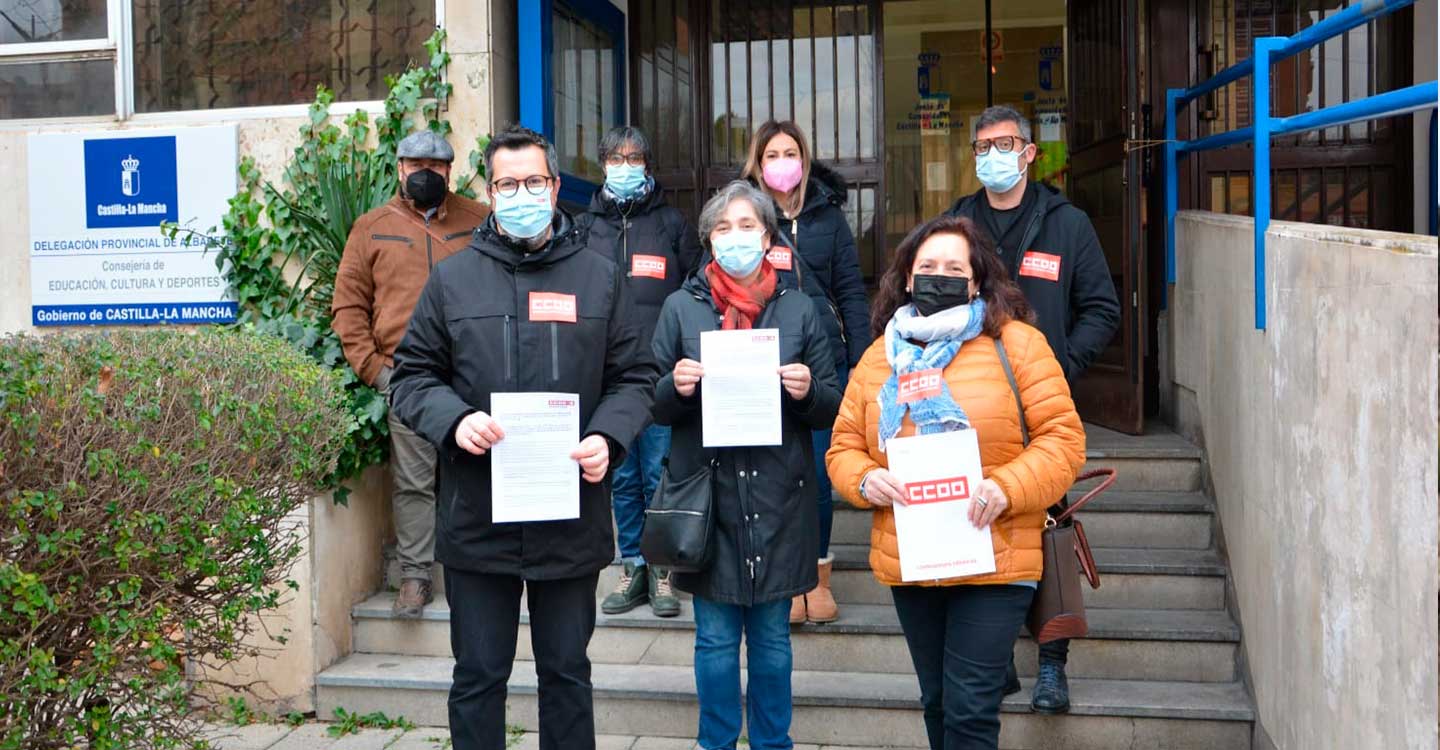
(426, 144)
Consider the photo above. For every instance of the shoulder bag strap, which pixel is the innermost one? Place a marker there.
(1014, 388)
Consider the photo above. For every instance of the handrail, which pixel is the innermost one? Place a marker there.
(1267, 52)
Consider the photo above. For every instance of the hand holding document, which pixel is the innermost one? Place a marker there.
(532, 474)
(940, 473)
(740, 403)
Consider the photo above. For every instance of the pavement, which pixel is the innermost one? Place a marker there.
(316, 737)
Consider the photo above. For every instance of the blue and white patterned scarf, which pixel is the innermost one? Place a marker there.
(942, 334)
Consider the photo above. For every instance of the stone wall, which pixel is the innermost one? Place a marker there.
(1321, 438)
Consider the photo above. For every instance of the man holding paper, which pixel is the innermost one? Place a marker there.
(930, 436)
(522, 365)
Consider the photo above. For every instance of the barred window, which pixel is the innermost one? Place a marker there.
(246, 53)
(78, 58)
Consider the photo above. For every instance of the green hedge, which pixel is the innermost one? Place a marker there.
(145, 478)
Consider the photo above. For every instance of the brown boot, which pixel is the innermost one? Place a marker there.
(820, 604)
(414, 594)
(797, 610)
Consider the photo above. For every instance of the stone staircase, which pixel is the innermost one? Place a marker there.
(1159, 669)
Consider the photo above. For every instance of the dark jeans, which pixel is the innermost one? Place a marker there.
(960, 640)
(634, 485)
(823, 490)
(484, 623)
(766, 629)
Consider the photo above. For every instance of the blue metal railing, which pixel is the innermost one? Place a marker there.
(1267, 52)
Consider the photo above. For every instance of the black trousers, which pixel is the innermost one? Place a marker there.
(960, 639)
(484, 626)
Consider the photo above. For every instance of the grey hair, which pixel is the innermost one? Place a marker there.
(739, 190)
(618, 137)
(1002, 113)
(517, 137)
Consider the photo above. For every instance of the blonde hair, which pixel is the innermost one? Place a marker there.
(755, 173)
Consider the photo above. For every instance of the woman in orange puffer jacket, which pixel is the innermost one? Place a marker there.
(943, 303)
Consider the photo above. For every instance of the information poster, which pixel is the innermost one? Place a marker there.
(97, 199)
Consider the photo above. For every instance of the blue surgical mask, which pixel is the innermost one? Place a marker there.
(738, 252)
(999, 172)
(626, 182)
(523, 215)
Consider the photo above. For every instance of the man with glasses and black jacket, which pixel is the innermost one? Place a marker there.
(525, 308)
(1051, 250)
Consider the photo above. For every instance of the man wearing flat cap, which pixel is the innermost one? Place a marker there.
(387, 261)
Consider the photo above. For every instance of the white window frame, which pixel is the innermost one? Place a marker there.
(118, 46)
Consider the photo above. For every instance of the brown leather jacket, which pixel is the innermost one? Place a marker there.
(387, 260)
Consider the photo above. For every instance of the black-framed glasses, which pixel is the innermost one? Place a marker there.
(535, 184)
(616, 159)
(1006, 144)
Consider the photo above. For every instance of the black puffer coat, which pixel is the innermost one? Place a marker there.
(652, 242)
(821, 233)
(767, 530)
(472, 335)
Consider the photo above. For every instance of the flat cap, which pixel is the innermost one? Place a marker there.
(426, 144)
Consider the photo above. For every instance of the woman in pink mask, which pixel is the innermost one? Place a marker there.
(817, 245)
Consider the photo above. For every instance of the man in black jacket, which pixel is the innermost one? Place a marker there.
(657, 249)
(1051, 250)
(525, 308)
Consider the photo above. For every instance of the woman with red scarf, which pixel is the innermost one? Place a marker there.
(764, 496)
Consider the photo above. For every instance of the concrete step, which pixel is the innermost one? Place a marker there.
(1157, 520)
(850, 708)
(1193, 646)
(1129, 578)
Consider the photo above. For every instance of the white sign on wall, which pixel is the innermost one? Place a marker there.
(97, 199)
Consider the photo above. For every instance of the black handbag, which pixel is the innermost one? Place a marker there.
(679, 529)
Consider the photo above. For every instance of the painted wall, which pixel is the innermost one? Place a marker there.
(1321, 438)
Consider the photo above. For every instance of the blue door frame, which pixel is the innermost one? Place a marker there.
(537, 103)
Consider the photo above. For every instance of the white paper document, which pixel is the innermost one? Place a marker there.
(740, 393)
(532, 477)
(940, 474)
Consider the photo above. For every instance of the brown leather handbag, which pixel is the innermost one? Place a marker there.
(1058, 610)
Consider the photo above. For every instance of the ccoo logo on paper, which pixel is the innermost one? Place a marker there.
(130, 182)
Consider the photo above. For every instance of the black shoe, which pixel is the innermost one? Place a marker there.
(663, 601)
(632, 591)
(1012, 680)
(1052, 691)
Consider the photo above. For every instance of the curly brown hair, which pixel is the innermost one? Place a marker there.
(1004, 301)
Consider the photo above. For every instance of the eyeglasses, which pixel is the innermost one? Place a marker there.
(616, 159)
(1006, 144)
(535, 184)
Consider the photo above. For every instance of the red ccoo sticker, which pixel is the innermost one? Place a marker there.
(918, 386)
(549, 307)
(781, 259)
(1041, 266)
(648, 266)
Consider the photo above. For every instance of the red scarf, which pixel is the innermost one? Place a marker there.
(740, 304)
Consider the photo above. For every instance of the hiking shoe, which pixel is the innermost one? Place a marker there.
(414, 594)
(1052, 691)
(663, 601)
(630, 592)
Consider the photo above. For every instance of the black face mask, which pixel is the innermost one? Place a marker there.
(931, 294)
(426, 187)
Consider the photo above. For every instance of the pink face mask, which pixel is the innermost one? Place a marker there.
(783, 174)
